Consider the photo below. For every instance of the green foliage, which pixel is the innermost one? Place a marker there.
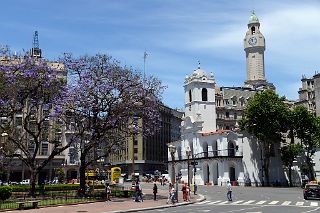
(53, 187)
(61, 175)
(5, 192)
(307, 129)
(265, 116)
(289, 153)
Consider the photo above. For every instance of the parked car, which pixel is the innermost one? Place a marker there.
(25, 182)
(311, 190)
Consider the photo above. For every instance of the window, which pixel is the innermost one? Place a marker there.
(44, 148)
(227, 114)
(235, 115)
(135, 142)
(253, 30)
(190, 96)
(135, 150)
(204, 94)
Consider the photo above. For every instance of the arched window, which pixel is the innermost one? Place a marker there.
(253, 30)
(190, 96)
(204, 94)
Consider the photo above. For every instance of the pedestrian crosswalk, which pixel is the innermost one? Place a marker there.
(261, 202)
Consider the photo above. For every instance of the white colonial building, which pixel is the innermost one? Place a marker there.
(222, 154)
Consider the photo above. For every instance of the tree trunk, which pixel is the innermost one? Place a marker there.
(310, 166)
(266, 170)
(33, 179)
(290, 178)
(82, 172)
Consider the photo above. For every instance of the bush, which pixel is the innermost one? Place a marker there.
(5, 192)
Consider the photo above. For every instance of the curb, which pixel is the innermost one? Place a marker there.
(202, 198)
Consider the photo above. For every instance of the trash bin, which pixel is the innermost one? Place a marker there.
(126, 193)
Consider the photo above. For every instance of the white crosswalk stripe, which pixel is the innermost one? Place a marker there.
(214, 202)
(261, 202)
(237, 202)
(248, 202)
(273, 202)
(223, 202)
(203, 202)
(314, 204)
(286, 203)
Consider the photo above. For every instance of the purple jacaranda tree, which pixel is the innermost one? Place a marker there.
(33, 92)
(109, 102)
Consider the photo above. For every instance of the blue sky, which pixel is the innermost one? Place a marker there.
(176, 34)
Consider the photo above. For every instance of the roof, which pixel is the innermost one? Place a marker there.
(220, 131)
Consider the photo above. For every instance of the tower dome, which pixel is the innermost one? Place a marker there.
(253, 18)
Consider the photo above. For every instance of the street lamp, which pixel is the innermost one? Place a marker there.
(188, 153)
(172, 150)
(134, 128)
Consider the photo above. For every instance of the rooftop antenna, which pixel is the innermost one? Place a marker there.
(144, 64)
(35, 51)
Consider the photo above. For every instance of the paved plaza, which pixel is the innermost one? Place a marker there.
(118, 204)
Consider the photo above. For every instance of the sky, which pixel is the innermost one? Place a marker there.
(176, 34)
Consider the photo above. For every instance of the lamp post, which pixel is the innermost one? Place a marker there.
(188, 152)
(134, 128)
(172, 150)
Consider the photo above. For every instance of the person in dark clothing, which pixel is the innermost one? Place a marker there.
(155, 191)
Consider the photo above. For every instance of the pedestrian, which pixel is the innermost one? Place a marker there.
(184, 192)
(108, 191)
(188, 193)
(173, 196)
(229, 191)
(138, 194)
(155, 191)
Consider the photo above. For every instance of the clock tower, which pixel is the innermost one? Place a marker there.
(254, 46)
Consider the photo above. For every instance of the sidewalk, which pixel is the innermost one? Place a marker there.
(118, 204)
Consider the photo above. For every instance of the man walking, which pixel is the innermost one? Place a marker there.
(229, 191)
(155, 191)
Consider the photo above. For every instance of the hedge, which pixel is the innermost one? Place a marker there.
(54, 187)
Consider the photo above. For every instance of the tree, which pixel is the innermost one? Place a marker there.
(307, 129)
(32, 93)
(288, 154)
(109, 102)
(265, 117)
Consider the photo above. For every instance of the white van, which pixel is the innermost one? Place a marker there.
(25, 182)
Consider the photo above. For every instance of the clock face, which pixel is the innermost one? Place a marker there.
(252, 41)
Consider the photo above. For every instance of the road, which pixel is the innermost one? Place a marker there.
(250, 200)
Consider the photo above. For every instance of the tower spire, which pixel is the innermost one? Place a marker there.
(35, 51)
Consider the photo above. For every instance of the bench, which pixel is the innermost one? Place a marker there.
(21, 205)
(34, 203)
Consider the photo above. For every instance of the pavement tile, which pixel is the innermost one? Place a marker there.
(117, 204)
